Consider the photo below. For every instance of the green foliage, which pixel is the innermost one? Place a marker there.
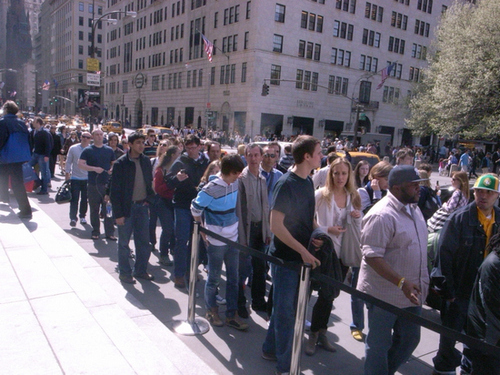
(459, 92)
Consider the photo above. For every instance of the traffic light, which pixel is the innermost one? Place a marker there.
(55, 99)
(265, 90)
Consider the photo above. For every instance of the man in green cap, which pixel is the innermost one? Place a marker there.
(462, 248)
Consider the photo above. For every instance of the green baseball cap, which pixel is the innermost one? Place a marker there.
(487, 182)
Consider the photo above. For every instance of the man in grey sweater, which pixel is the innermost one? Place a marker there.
(78, 179)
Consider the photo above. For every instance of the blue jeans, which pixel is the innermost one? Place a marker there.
(165, 212)
(217, 255)
(357, 304)
(78, 193)
(44, 170)
(183, 224)
(137, 223)
(385, 350)
(279, 338)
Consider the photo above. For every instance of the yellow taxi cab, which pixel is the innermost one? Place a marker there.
(357, 156)
(112, 126)
(165, 132)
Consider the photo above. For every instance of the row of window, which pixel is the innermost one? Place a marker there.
(309, 50)
(81, 8)
(311, 21)
(374, 12)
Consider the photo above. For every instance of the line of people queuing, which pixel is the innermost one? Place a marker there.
(251, 201)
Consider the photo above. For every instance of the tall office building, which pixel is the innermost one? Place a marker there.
(62, 47)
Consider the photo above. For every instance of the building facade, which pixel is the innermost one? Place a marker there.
(319, 58)
(62, 47)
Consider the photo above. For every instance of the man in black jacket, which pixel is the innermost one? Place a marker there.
(461, 250)
(42, 144)
(184, 177)
(131, 192)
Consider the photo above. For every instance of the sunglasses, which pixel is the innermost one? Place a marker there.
(86, 137)
(163, 144)
(269, 155)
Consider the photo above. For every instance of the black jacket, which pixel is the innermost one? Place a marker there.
(330, 265)
(185, 191)
(460, 252)
(41, 142)
(121, 185)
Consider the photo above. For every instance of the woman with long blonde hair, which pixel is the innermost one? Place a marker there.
(337, 199)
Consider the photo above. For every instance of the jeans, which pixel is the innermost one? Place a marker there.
(357, 304)
(279, 338)
(387, 350)
(44, 170)
(165, 212)
(454, 316)
(255, 268)
(183, 224)
(153, 220)
(216, 256)
(15, 172)
(136, 223)
(78, 193)
(97, 206)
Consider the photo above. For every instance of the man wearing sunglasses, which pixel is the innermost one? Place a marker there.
(150, 145)
(78, 179)
(267, 167)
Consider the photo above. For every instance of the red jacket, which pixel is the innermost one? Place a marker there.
(160, 185)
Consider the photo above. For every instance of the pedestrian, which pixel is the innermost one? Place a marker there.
(184, 177)
(56, 150)
(483, 318)
(267, 167)
(14, 152)
(462, 247)
(254, 230)
(98, 159)
(217, 203)
(131, 193)
(292, 223)
(394, 270)
(42, 144)
(78, 180)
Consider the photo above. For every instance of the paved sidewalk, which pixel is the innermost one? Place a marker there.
(64, 311)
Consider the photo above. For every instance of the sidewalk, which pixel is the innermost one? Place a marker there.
(66, 312)
(62, 313)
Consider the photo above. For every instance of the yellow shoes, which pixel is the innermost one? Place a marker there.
(357, 334)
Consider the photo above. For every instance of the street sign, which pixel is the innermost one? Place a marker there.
(209, 113)
(92, 93)
(93, 79)
(92, 65)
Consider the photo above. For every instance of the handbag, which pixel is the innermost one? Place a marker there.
(64, 193)
(437, 220)
(350, 251)
(28, 173)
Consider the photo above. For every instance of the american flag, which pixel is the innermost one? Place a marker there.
(385, 73)
(46, 85)
(209, 47)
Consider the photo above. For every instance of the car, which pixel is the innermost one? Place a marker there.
(112, 126)
(165, 132)
(356, 157)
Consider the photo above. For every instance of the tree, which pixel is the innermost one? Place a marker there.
(460, 89)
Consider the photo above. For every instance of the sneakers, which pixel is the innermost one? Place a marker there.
(236, 323)
(220, 300)
(214, 318)
(83, 221)
(72, 223)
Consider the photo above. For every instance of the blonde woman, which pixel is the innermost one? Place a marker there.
(337, 199)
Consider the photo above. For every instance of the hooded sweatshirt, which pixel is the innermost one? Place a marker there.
(217, 202)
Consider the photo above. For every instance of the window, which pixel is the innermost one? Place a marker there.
(245, 42)
(396, 45)
(371, 38)
(312, 21)
(303, 20)
(309, 50)
(340, 57)
(302, 48)
(216, 19)
(315, 77)
(299, 78)
(212, 75)
(343, 30)
(80, 35)
(248, 10)
(81, 6)
(80, 50)
(155, 84)
(279, 14)
(317, 52)
(365, 89)
(80, 21)
(80, 64)
(278, 43)
(374, 12)
(319, 24)
(338, 85)
(275, 74)
(243, 72)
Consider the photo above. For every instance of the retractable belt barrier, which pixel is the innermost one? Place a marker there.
(416, 319)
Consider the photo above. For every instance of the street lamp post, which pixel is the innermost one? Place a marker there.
(95, 22)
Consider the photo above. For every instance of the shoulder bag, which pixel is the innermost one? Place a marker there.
(64, 193)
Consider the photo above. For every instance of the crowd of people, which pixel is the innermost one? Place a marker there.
(368, 225)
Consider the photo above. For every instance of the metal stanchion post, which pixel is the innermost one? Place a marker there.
(300, 319)
(193, 326)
